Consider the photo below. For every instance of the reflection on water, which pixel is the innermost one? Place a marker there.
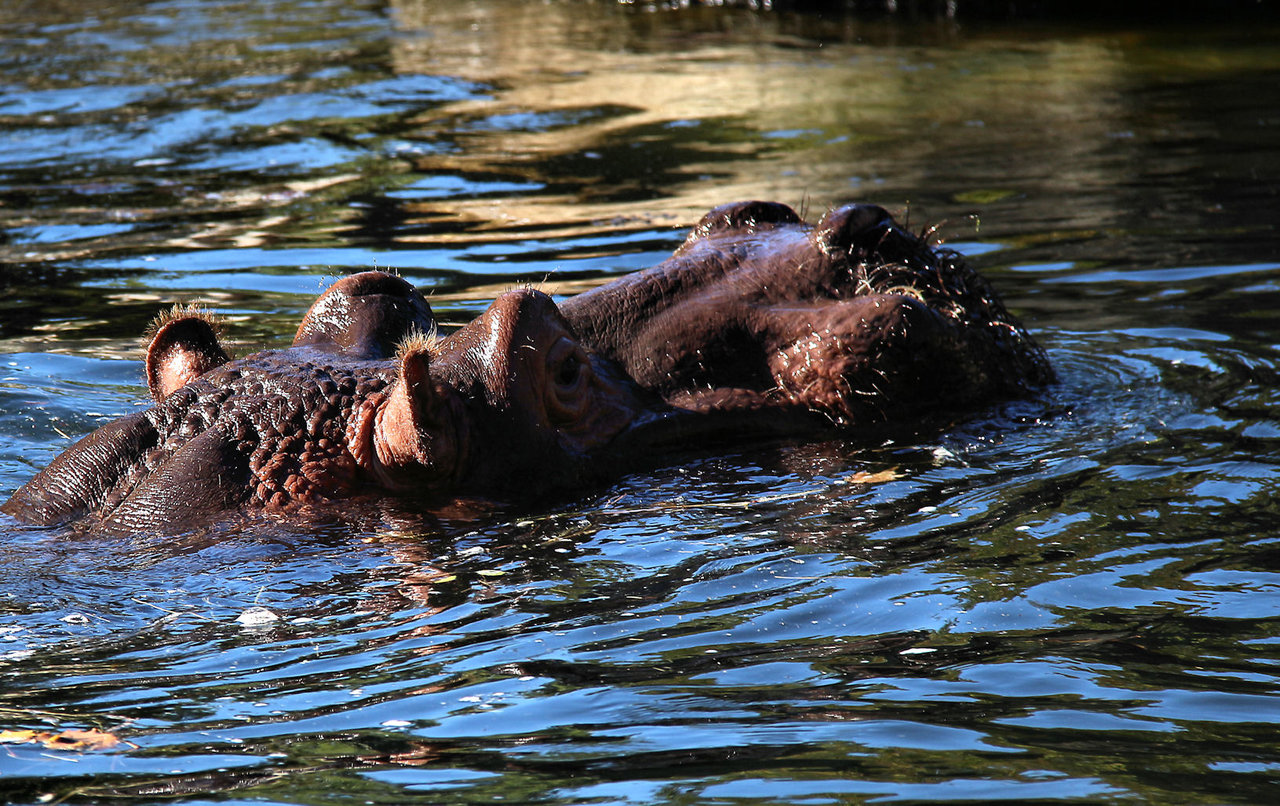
(1070, 598)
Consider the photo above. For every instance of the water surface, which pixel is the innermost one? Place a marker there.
(1071, 598)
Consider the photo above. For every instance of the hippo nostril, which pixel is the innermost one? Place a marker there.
(745, 215)
(365, 316)
(370, 283)
(858, 227)
(570, 371)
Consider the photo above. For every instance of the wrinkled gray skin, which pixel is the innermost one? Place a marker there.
(758, 321)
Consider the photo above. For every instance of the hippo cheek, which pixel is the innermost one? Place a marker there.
(204, 477)
(81, 477)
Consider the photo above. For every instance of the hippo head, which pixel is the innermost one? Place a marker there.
(366, 400)
(509, 404)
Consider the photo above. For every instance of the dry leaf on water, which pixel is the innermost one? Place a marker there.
(66, 740)
(18, 736)
(862, 477)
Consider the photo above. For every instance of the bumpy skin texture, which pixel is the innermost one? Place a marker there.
(268, 430)
(854, 322)
(364, 402)
(758, 323)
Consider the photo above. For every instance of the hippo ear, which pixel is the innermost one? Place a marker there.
(416, 433)
(184, 347)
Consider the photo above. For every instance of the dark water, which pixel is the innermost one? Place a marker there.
(1075, 598)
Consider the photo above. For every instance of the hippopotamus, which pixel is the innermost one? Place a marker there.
(757, 324)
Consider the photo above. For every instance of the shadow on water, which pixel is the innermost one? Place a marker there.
(1071, 598)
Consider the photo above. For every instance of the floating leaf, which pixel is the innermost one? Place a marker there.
(984, 195)
(90, 739)
(862, 477)
(81, 740)
(18, 736)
